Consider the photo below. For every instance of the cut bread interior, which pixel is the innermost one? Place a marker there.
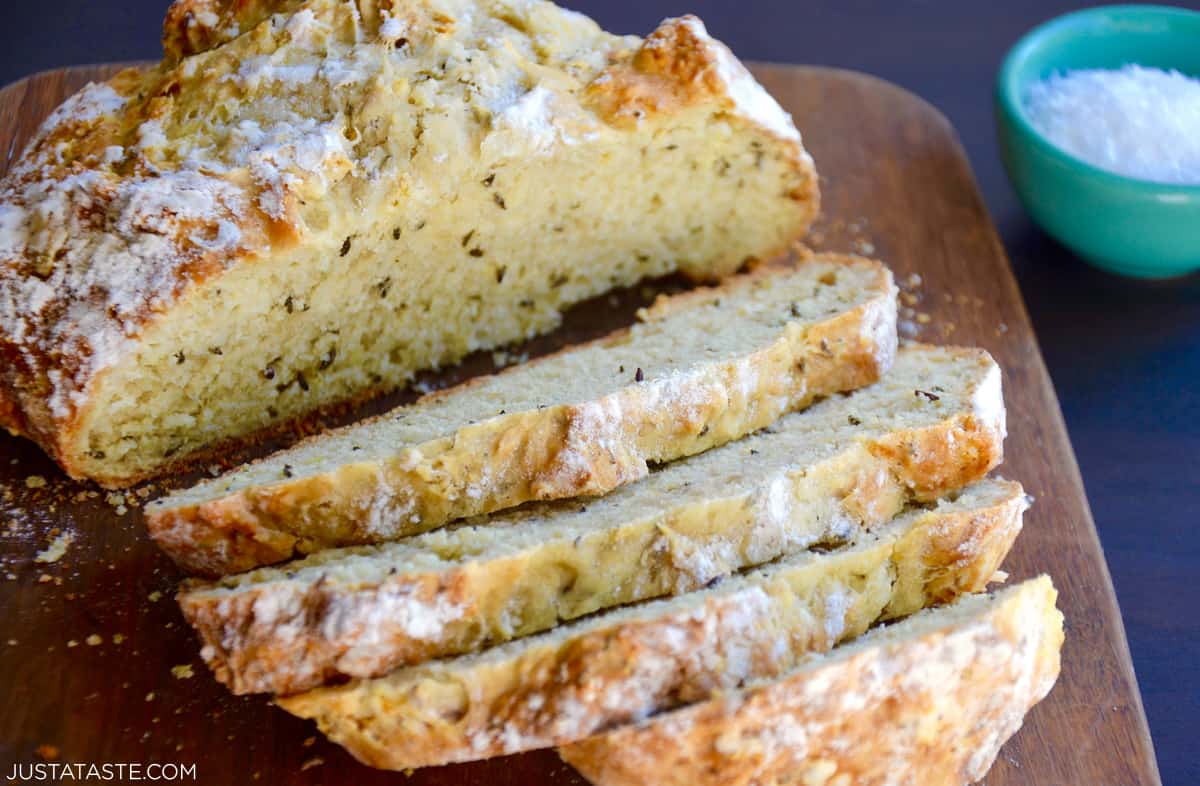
(927, 700)
(344, 193)
(816, 476)
(622, 666)
(698, 370)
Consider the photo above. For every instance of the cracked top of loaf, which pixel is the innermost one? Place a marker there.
(137, 189)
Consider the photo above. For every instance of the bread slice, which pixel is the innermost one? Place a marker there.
(934, 424)
(309, 200)
(620, 667)
(929, 700)
(700, 369)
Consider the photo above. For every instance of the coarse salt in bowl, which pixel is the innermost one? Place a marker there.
(1135, 121)
(1098, 117)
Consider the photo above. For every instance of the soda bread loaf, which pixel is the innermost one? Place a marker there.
(623, 666)
(309, 200)
(934, 424)
(928, 701)
(700, 369)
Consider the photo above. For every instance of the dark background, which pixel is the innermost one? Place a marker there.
(1124, 355)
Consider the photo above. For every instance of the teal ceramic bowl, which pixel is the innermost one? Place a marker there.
(1135, 227)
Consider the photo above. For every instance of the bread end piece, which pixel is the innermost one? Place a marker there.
(928, 700)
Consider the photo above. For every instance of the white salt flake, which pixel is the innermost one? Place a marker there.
(1134, 121)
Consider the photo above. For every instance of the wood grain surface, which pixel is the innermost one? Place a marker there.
(97, 665)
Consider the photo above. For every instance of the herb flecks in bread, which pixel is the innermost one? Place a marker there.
(272, 220)
(698, 370)
(811, 478)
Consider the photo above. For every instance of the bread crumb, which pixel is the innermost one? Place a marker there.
(183, 671)
(117, 500)
(55, 550)
(315, 761)
(35, 482)
(150, 696)
(914, 280)
(12, 642)
(72, 643)
(923, 318)
(94, 640)
(154, 597)
(999, 577)
(45, 578)
(118, 638)
(47, 752)
(309, 742)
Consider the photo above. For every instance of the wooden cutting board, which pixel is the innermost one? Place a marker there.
(97, 665)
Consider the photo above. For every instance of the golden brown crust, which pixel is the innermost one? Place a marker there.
(557, 452)
(12, 418)
(929, 705)
(193, 26)
(558, 690)
(672, 69)
(64, 317)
